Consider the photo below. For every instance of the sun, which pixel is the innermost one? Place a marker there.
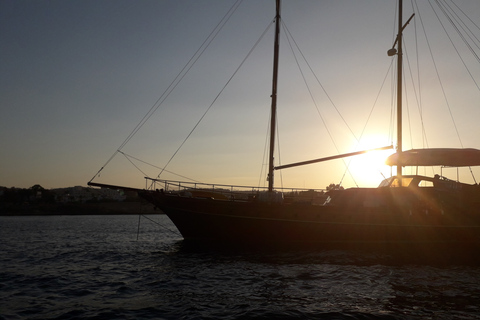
(369, 169)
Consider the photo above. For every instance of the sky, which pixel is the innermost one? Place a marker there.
(76, 77)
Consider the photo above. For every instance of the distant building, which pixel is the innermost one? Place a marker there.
(77, 194)
(82, 194)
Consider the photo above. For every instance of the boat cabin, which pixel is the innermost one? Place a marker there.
(405, 193)
(421, 181)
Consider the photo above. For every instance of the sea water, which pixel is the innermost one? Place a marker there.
(131, 267)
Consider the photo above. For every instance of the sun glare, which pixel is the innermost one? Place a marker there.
(369, 169)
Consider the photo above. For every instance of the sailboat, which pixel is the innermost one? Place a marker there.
(410, 210)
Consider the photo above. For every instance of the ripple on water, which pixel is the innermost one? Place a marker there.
(83, 267)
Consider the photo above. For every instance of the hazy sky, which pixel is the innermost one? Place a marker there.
(77, 76)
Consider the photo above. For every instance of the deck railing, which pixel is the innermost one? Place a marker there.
(232, 192)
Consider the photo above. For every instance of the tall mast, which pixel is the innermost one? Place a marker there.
(274, 98)
(399, 83)
(399, 53)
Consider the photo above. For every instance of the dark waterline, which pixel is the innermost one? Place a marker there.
(92, 267)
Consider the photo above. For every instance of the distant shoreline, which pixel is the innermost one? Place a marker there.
(101, 208)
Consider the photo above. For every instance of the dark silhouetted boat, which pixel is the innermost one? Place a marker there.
(406, 210)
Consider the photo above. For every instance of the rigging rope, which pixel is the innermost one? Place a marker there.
(405, 52)
(465, 24)
(216, 98)
(438, 74)
(390, 135)
(451, 19)
(419, 84)
(461, 36)
(176, 81)
(157, 223)
(265, 156)
(129, 157)
(290, 39)
(278, 152)
(144, 174)
(454, 19)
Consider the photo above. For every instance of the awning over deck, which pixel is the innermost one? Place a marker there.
(436, 157)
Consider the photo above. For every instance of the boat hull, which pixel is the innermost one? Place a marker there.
(279, 224)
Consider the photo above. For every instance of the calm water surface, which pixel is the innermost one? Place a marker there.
(93, 267)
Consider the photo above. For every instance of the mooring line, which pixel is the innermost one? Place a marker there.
(157, 223)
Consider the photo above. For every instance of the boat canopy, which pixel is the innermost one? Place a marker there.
(448, 157)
